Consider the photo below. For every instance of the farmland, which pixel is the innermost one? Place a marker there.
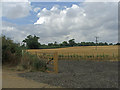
(82, 52)
(64, 44)
(77, 72)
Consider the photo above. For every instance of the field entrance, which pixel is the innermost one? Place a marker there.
(79, 74)
(103, 53)
(80, 67)
(51, 60)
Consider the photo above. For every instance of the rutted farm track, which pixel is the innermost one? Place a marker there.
(80, 74)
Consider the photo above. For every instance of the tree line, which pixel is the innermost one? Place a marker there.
(31, 42)
(12, 51)
(13, 55)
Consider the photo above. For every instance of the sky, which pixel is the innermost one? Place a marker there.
(60, 21)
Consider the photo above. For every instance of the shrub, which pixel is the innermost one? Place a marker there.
(32, 62)
(12, 55)
(11, 52)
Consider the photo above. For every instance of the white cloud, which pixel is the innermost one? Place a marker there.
(8, 29)
(36, 9)
(12, 31)
(15, 9)
(41, 20)
(0, 10)
(82, 22)
(88, 20)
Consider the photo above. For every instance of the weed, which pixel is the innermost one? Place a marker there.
(32, 62)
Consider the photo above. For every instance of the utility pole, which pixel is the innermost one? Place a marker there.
(96, 41)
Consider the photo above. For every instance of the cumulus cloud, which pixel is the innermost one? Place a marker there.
(82, 22)
(19, 33)
(86, 21)
(12, 31)
(15, 9)
(36, 9)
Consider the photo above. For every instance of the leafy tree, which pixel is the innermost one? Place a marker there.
(92, 44)
(32, 42)
(72, 42)
(105, 43)
(101, 44)
(55, 43)
(50, 44)
(64, 43)
(82, 43)
(110, 43)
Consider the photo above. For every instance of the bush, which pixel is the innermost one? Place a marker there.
(11, 52)
(32, 62)
(12, 55)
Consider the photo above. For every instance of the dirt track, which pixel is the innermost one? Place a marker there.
(10, 79)
(80, 74)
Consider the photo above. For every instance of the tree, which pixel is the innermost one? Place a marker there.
(55, 43)
(64, 43)
(72, 42)
(101, 44)
(110, 43)
(82, 43)
(32, 42)
(118, 43)
(106, 43)
(50, 44)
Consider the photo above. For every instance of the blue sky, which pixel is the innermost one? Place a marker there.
(31, 18)
(59, 21)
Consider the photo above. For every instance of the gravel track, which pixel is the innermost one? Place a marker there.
(79, 74)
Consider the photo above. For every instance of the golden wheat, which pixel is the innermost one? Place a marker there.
(83, 52)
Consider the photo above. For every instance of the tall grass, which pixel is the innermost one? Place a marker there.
(32, 62)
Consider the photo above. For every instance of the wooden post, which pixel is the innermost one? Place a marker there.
(56, 62)
(23, 57)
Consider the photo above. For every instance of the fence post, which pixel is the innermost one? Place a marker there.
(56, 62)
(23, 57)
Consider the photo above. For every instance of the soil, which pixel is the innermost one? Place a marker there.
(10, 79)
(79, 74)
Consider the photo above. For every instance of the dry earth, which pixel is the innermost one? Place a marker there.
(10, 79)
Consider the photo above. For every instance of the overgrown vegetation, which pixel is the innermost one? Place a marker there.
(11, 52)
(31, 62)
(12, 55)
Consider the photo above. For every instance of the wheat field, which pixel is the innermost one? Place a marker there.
(82, 52)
